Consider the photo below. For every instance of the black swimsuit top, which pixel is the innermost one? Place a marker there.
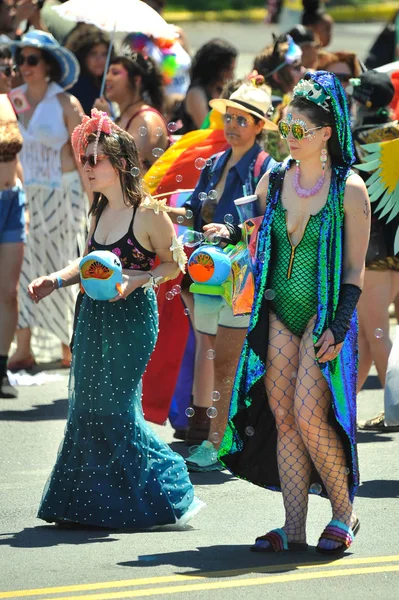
(131, 254)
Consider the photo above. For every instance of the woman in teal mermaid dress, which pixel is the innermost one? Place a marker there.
(292, 420)
(112, 470)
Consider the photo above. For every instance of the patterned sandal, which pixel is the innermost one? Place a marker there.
(278, 542)
(336, 531)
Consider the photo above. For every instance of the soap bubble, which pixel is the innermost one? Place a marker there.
(189, 214)
(208, 162)
(378, 333)
(212, 412)
(249, 431)
(179, 178)
(212, 194)
(143, 131)
(192, 238)
(270, 294)
(316, 488)
(157, 152)
(176, 289)
(228, 219)
(186, 311)
(347, 471)
(210, 354)
(215, 437)
(180, 219)
(202, 196)
(190, 412)
(294, 374)
(200, 163)
(158, 131)
(169, 295)
(172, 127)
(215, 396)
(135, 171)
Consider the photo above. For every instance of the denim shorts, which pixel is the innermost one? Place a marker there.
(211, 312)
(12, 215)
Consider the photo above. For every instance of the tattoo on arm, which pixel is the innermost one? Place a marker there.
(366, 210)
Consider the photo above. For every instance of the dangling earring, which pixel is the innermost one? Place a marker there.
(323, 159)
(47, 78)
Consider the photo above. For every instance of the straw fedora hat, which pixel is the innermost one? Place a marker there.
(253, 100)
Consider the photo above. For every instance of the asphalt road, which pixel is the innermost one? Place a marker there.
(210, 559)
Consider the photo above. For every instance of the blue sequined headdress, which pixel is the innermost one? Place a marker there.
(324, 89)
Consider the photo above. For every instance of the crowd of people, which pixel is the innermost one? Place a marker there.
(90, 133)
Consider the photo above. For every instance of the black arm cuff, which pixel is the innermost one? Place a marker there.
(235, 233)
(348, 298)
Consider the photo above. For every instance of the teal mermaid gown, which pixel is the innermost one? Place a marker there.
(112, 470)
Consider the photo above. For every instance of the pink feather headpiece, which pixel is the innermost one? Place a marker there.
(98, 123)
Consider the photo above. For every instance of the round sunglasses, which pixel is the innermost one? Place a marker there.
(32, 60)
(7, 70)
(91, 159)
(298, 129)
(241, 121)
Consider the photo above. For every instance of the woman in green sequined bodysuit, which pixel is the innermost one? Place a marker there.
(293, 280)
(311, 249)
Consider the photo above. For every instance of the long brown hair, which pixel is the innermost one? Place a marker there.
(121, 150)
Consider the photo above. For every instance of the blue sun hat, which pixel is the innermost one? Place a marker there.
(67, 61)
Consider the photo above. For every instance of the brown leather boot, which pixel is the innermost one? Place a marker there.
(198, 426)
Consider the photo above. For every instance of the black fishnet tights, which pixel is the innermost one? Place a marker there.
(299, 398)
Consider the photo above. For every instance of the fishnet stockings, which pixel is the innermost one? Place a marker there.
(299, 398)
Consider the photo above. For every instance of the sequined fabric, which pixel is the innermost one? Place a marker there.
(112, 470)
(253, 457)
(293, 272)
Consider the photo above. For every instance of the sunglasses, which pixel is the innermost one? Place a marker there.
(91, 159)
(7, 70)
(241, 121)
(32, 60)
(298, 129)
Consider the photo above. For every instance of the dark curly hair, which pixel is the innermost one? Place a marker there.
(151, 79)
(211, 60)
(82, 40)
(123, 155)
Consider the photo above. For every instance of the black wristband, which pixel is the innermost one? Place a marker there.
(235, 233)
(348, 298)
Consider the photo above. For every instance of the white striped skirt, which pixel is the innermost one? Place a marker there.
(57, 232)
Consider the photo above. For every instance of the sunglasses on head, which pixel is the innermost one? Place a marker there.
(7, 70)
(91, 159)
(298, 129)
(241, 121)
(32, 60)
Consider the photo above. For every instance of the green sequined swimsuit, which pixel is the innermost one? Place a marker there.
(293, 274)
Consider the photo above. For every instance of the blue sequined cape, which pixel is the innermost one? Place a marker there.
(254, 457)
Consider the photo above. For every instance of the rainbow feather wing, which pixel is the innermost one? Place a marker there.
(383, 184)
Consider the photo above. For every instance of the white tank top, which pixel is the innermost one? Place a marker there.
(44, 137)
